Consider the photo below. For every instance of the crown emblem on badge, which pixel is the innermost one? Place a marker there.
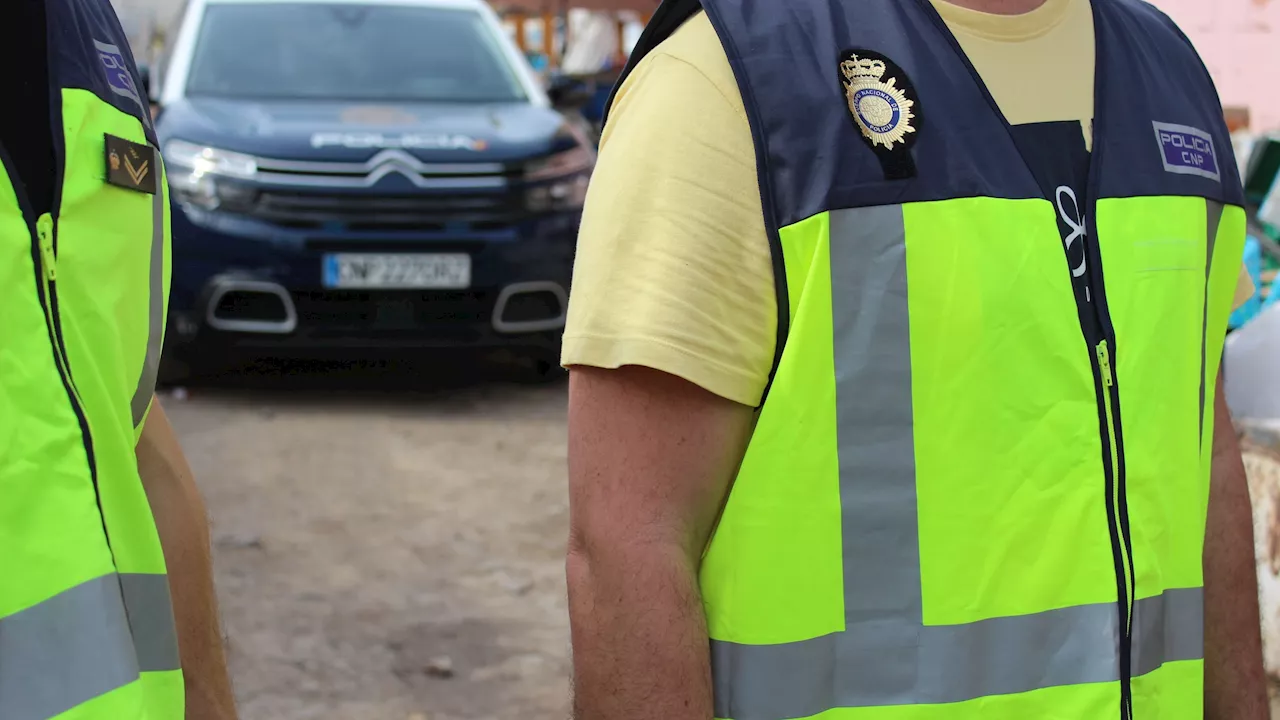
(880, 107)
(862, 69)
(114, 159)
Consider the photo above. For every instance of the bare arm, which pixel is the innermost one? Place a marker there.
(1234, 683)
(184, 533)
(651, 457)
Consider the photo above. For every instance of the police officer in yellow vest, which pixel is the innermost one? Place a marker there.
(96, 500)
(895, 346)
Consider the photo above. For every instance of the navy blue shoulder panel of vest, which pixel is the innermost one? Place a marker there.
(1164, 108)
(1161, 130)
(88, 50)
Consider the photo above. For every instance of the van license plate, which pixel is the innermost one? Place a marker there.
(397, 271)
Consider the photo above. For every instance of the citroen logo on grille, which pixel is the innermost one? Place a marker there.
(394, 161)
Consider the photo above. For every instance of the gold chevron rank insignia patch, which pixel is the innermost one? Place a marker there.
(130, 165)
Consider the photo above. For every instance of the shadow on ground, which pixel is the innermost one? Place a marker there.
(381, 381)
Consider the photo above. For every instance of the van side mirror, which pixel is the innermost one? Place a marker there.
(144, 74)
(567, 93)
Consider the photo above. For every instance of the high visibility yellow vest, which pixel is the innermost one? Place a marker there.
(969, 494)
(86, 627)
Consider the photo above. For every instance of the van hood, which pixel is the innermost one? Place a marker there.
(354, 132)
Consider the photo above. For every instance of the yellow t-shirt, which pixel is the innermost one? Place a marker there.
(673, 269)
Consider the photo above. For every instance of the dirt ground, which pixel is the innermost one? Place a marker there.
(386, 549)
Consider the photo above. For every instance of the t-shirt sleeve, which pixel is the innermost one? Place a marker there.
(673, 269)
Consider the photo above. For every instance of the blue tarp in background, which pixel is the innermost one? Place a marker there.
(1255, 304)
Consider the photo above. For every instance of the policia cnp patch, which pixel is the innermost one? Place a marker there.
(130, 165)
(884, 107)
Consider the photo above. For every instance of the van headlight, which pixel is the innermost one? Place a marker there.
(559, 181)
(205, 176)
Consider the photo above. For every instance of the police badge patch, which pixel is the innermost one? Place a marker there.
(884, 107)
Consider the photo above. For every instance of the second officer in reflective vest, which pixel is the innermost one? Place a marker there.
(94, 492)
(978, 482)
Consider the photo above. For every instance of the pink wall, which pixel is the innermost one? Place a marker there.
(1240, 42)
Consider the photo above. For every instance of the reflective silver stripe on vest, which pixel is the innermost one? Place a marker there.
(79, 644)
(1167, 628)
(886, 655)
(882, 663)
(150, 611)
(155, 307)
(1214, 213)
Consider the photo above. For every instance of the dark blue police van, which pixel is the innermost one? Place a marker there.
(363, 176)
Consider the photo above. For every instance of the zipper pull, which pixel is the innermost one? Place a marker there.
(1104, 363)
(44, 230)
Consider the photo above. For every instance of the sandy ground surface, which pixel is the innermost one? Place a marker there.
(387, 550)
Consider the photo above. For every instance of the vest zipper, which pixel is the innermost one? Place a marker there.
(1103, 341)
(1117, 517)
(1110, 410)
(47, 279)
(1113, 465)
(1108, 383)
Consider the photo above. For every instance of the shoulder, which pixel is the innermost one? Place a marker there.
(1154, 22)
(93, 54)
(673, 270)
(1147, 30)
(693, 49)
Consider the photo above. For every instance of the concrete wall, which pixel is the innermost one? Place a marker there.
(141, 18)
(1240, 43)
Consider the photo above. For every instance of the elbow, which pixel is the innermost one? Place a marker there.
(596, 541)
(595, 555)
(577, 561)
(616, 553)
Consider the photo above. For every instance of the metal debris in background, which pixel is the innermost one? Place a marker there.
(1251, 355)
(1259, 159)
(1262, 462)
(1253, 347)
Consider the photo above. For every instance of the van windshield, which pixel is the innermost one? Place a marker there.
(332, 51)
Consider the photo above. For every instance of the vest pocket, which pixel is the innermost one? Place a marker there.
(1155, 252)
